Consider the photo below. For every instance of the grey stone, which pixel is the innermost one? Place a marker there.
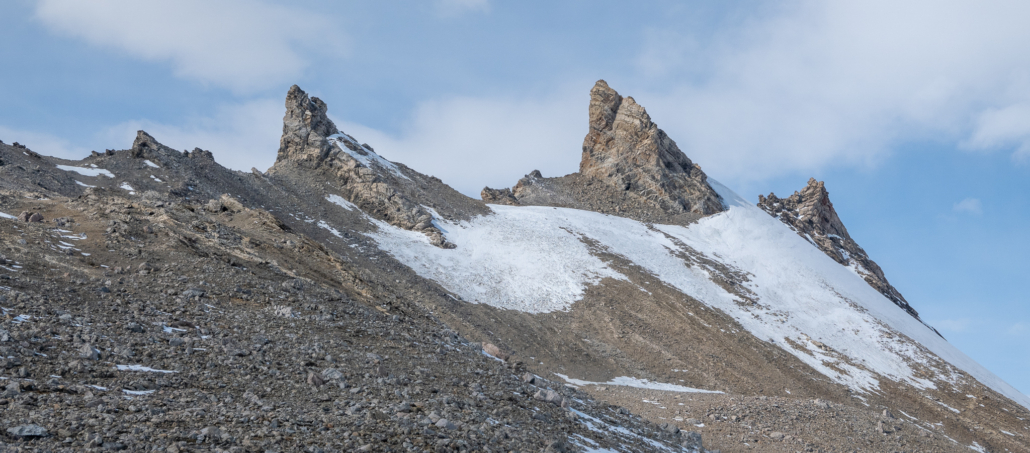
(549, 396)
(692, 440)
(443, 423)
(88, 352)
(27, 431)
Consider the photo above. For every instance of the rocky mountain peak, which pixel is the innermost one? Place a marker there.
(627, 150)
(306, 129)
(143, 143)
(810, 213)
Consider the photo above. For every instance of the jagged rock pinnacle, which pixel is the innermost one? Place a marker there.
(143, 143)
(810, 213)
(306, 129)
(627, 150)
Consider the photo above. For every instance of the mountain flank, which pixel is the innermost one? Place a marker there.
(154, 300)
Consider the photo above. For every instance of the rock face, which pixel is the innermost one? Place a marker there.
(810, 213)
(498, 196)
(629, 168)
(625, 149)
(312, 142)
(306, 129)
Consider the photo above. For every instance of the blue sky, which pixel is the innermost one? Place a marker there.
(916, 114)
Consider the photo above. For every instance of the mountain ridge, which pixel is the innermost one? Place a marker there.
(574, 278)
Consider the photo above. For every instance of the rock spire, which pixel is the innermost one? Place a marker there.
(810, 213)
(306, 129)
(625, 149)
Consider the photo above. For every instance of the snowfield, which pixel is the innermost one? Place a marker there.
(539, 259)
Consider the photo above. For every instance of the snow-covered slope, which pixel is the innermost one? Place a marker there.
(539, 259)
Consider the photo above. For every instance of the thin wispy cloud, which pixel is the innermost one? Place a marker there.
(472, 142)
(969, 206)
(235, 44)
(952, 325)
(240, 136)
(816, 84)
(1019, 329)
(44, 143)
(451, 8)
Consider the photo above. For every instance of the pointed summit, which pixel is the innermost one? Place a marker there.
(625, 149)
(306, 129)
(810, 213)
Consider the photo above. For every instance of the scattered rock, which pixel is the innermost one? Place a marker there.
(27, 431)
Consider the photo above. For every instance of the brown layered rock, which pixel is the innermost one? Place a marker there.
(498, 196)
(629, 168)
(311, 142)
(626, 150)
(810, 213)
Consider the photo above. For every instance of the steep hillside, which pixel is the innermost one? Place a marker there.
(340, 301)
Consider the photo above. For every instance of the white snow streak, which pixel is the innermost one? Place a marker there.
(369, 159)
(342, 202)
(141, 368)
(86, 171)
(626, 381)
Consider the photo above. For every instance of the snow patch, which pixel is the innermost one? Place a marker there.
(126, 186)
(332, 230)
(638, 383)
(368, 157)
(86, 171)
(151, 164)
(138, 392)
(4, 215)
(540, 259)
(141, 368)
(82, 184)
(342, 202)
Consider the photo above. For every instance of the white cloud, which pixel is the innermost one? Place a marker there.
(1007, 127)
(952, 325)
(472, 142)
(969, 206)
(839, 83)
(450, 8)
(240, 136)
(242, 45)
(43, 143)
(1019, 329)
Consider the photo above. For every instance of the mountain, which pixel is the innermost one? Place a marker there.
(810, 213)
(340, 301)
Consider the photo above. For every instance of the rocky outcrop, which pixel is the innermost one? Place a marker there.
(629, 168)
(625, 149)
(306, 129)
(810, 213)
(312, 142)
(498, 196)
(143, 143)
